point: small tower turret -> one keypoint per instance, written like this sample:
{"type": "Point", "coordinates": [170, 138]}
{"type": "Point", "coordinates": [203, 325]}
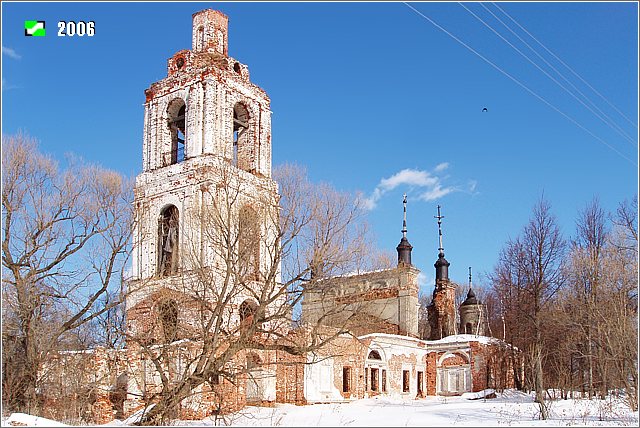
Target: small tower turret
{"type": "Point", "coordinates": [404, 247]}
{"type": "Point", "coordinates": [210, 32]}
{"type": "Point", "coordinates": [473, 318]}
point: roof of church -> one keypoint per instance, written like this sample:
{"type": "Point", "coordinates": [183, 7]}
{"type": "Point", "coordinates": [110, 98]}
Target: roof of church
{"type": "Point", "coordinates": [471, 299]}
{"type": "Point", "coordinates": [441, 261]}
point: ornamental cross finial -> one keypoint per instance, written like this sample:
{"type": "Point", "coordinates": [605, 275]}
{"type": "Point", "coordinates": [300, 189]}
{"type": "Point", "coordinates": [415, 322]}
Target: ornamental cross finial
{"type": "Point", "coordinates": [440, 217]}
{"type": "Point", "coordinates": [404, 221]}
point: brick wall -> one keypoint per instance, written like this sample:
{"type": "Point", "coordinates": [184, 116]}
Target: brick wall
{"type": "Point", "coordinates": [442, 311]}
{"type": "Point", "coordinates": [494, 365]}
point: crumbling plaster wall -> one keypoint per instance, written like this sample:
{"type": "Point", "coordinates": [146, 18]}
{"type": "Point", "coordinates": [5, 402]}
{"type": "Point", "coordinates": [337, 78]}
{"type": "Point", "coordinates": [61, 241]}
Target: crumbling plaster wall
{"type": "Point", "coordinates": [389, 296]}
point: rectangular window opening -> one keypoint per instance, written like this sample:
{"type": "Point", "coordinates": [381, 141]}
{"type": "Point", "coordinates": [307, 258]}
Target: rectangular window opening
{"type": "Point", "coordinates": [346, 379]}
{"type": "Point", "coordinates": [374, 379]}
{"type": "Point", "coordinates": [384, 380]}
{"type": "Point", "coordinates": [405, 380]}
{"type": "Point", "coordinates": [366, 379]}
{"type": "Point", "coordinates": [420, 382]}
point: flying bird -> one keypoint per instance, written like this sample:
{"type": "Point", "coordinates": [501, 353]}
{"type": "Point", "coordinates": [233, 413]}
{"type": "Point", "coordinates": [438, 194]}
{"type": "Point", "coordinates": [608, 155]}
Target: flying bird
{"type": "Point", "coordinates": [484, 109]}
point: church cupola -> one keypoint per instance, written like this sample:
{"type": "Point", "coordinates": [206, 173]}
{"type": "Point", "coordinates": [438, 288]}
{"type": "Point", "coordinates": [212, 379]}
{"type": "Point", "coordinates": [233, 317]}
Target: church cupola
{"type": "Point", "coordinates": [441, 265]}
{"type": "Point", "coordinates": [404, 247]}
{"type": "Point", "coordinates": [473, 319]}
{"type": "Point", "coordinates": [471, 298]}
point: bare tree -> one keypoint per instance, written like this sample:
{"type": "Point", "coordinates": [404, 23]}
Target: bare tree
{"type": "Point", "coordinates": [583, 332]}
{"type": "Point", "coordinates": [64, 245]}
{"type": "Point", "coordinates": [234, 302]}
{"type": "Point", "coordinates": [587, 280]}
{"type": "Point", "coordinates": [424, 328]}
{"type": "Point", "coordinates": [508, 283]}
{"type": "Point", "coordinates": [529, 274]}
{"type": "Point", "coordinates": [618, 318]}
{"type": "Point", "coordinates": [599, 308]}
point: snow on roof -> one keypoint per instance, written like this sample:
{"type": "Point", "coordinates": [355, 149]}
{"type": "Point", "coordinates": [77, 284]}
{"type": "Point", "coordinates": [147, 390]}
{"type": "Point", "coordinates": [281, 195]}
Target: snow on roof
{"type": "Point", "coordinates": [485, 340]}
{"type": "Point", "coordinates": [174, 343]}
{"type": "Point", "coordinates": [81, 351]}
{"type": "Point", "coordinates": [457, 338]}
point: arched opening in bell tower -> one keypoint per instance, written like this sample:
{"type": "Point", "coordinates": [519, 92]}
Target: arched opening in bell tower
{"type": "Point", "coordinates": [168, 238]}
{"type": "Point", "coordinates": [176, 113]}
{"type": "Point", "coordinates": [248, 243]}
{"type": "Point", "coordinates": [240, 137]}
{"type": "Point", "coordinates": [168, 312]}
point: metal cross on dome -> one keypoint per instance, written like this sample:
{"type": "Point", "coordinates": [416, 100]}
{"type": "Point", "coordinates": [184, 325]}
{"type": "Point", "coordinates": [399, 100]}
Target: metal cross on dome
{"type": "Point", "coordinates": [439, 217]}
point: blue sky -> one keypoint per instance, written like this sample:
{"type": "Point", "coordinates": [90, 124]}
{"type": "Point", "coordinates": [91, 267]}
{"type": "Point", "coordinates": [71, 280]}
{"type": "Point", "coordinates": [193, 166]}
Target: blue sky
{"type": "Point", "coordinates": [370, 97]}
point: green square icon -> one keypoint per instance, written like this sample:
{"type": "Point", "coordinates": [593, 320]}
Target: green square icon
{"type": "Point", "coordinates": [34, 29]}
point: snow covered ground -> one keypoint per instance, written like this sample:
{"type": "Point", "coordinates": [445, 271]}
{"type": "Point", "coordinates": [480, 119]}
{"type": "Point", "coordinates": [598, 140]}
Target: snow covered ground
{"type": "Point", "coordinates": [22, 419]}
{"type": "Point", "coordinates": [511, 408]}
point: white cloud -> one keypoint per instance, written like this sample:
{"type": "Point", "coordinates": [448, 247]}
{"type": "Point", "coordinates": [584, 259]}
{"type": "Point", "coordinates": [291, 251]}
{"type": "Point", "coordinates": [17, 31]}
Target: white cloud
{"type": "Point", "coordinates": [441, 166]}
{"type": "Point", "coordinates": [423, 279]}
{"type": "Point", "coordinates": [436, 192]}
{"type": "Point", "coordinates": [6, 86]}
{"type": "Point", "coordinates": [425, 283]}
{"type": "Point", "coordinates": [429, 184]}
{"type": "Point", "coordinates": [412, 177]}
{"type": "Point", "coordinates": [10, 53]}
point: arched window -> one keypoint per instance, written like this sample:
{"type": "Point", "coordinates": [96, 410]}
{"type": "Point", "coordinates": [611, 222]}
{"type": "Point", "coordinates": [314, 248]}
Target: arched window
{"type": "Point", "coordinates": [248, 243]}
{"type": "Point", "coordinates": [374, 355]}
{"type": "Point", "coordinates": [247, 310]}
{"type": "Point", "coordinates": [240, 137]}
{"type": "Point", "coordinates": [168, 238]}
{"type": "Point", "coordinates": [468, 328]}
{"type": "Point", "coordinates": [253, 361]}
{"type": "Point", "coordinates": [169, 319]}
{"type": "Point", "coordinates": [200, 38]}
{"type": "Point", "coordinates": [176, 113]}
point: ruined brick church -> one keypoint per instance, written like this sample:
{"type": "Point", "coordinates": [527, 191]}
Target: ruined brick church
{"type": "Point", "coordinates": [205, 115]}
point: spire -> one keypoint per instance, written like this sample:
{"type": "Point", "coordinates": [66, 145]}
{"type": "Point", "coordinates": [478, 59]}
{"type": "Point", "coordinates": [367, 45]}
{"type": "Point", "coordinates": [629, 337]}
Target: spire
{"type": "Point", "coordinates": [404, 247]}
{"type": "Point", "coordinates": [439, 217]}
{"type": "Point", "coordinates": [471, 296]}
{"type": "Point", "coordinates": [404, 220]}
{"type": "Point", "coordinates": [441, 265]}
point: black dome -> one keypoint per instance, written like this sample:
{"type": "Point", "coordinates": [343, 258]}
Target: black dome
{"type": "Point", "coordinates": [471, 299]}
{"type": "Point", "coordinates": [404, 251]}
{"type": "Point", "coordinates": [441, 261]}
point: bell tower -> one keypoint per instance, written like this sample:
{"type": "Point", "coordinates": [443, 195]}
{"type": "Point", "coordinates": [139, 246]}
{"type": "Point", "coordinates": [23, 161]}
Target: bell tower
{"type": "Point", "coordinates": [441, 311]}
{"type": "Point", "coordinates": [206, 134]}
{"type": "Point", "coordinates": [207, 106]}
